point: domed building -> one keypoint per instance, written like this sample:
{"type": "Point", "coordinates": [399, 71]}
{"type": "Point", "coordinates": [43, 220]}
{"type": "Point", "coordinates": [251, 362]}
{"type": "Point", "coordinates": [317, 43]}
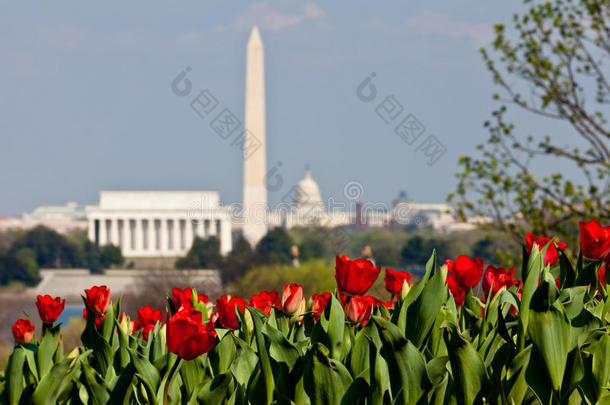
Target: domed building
{"type": "Point", "coordinates": [308, 194]}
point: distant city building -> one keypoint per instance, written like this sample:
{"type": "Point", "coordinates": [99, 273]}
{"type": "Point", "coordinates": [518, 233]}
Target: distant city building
{"type": "Point", "coordinates": [305, 207]}
{"type": "Point", "coordinates": [163, 223]}
{"type": "Point", "coordinates": [158, 223]}
{"type": "Point", "coordinates": [61, 218]}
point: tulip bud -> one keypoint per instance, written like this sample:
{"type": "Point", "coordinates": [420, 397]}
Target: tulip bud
{"type": "Point", "coordinates": [292, 298]}
{"type": "Point", "coordinates": [444, 271]}
{"type": "Point", "coordinates": [249, 321]}
{"type": "Point", "coordinates": [125, 324]}
{"type": "Point", "coordinates": [405, 289]}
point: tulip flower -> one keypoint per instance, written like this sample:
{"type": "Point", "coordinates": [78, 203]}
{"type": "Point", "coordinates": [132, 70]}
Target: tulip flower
{"type": "Point", "coordinates": [147, 319]}
{"type": "Point", "coordinates": [319, 302]}
{"type": "Point", "coordinates": [127, 325]}
{"type": "Point", "coordinates": [184, 297]}
{"type": "Point", "coordinates": [355, 277]}
{"type": "Point", "coordinates": [225, 306]}
{"type": "Point", "coordinates": [98, 298]}
{"type": "Point", "coordinates": [458, 293]}
{"type": "Point", "coordinates": [293, 301]}
{"type": "Point", "coordinates": [551, 255]}
{"type": "Point", "coordinates": [187, 336]}
{"type": "Point", "coordinates": [594, 240]}
{"type": "Point", "coordinates": [466, 272]}
{"type": "Point", "coordinates": [394, 280]}
{"type": "Point", "coordinates": [359, 308]}
{"type": "Point", "coordinates": [498, 277]}
{"type": "Point", "coordinates": [49, 308]}
{"type": "Point", "coordinates": [99, 319]}
{"type": "Point", "coordinates": [23, 331]}
{"type": "Point", "coordinates": [265, 301]}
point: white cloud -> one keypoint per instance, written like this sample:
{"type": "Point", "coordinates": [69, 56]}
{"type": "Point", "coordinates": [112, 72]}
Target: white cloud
{"type": "Point", "coordinates": [272, 19]}
{"type": "Point", "coordinates": [431, 23]}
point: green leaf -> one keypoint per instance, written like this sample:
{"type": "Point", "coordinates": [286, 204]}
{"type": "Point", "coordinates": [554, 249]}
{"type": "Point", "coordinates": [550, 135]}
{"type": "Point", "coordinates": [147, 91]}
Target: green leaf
{"type": "Point", "coordinates": [244, 364]}
{"type": "Point", "coordinates": [223, 354]}
{"type": "Point", "coordinates": [263, 356]}
{"type": "Point", "coordinates": [467, 368]}
{"type": "Point", "coordinates": [145, 369]}
{"type": "Point", "coordinates": [326, 379]}
{"type": "Point", "coordinates": [549, 330]}
{"type": "Point", "coordinates": [422, 314]}
{"type": "Point", "coordinates": [217, 391]}
{"type": "Point", "coordinates": [280, 348]}
{"type": "Point", "coordinates": [150, 392]}
{"type": "Point", "coordinates": [407, 365]}
{"type": "Point", "coordinates": [46, 351]}
{"type": "Point", "coordinates": [358, 389]}
{"type": "Point", "coordinates": [515, 376]}
{"type": "Point", "coordinates": [336, 327]}
{"type": "Point", "coordinates": [15, 381]}
{"type": "Point", "coordinates": [57, 381]}
{"type": "Point", "coordinates": [95, 385]}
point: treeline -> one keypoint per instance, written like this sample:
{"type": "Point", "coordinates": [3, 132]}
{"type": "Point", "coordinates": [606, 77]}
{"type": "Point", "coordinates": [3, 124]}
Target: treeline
{"type": "Point", "coordinates": [23, 253]}
{"type": "Point", "coordinates": [396, 249]}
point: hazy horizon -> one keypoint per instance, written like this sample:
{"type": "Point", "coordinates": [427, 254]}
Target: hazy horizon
{"type": "Point", "coordinates": [88, 102]}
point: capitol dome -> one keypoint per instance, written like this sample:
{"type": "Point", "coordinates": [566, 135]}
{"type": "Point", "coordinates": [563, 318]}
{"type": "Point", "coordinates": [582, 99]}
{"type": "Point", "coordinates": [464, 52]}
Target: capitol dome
{"type": "Point", "coordinates": [309, 192]}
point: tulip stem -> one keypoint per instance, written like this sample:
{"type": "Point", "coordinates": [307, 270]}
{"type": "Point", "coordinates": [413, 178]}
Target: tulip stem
{"type": "Point", "coordinates": [169, 379]}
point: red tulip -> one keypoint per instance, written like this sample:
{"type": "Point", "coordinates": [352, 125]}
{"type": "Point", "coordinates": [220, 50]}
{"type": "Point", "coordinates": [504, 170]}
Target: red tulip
{"type": "Point", "coordinates": [98, 298]}
{"type": "Point", "coordinates": [513, 309]}
{"type": "Point", "coordinates": [594, 240]}
{"type": "Point", "coordinates": [466, 272]}
{"type": "Point", "coordinates": [99, 319]}
{"type": "Point", "coordinates": [147, 319]}
{"type": "Point", "coordinates": [551, 255]}
{"type": "Point", "coordinates": [265, 301]}
{"type": "Point", "coordinates": [184, 297]}
{"type": "Point", "coordinates": [49, 308]}
{"type": "Point", "coordinates": [292, 299]}
{"type": "Point", "coordinates": [389, 304]}
{"type": "Point", "coordinates": [319, 302]}
{"type": "Point", "coordinates": [395, 279]}
{"type": "Point", "coordinates": [187, 336]}
{"type": "Point", "coordinates": [225, 306]}
{"type": "Point", "coordinates": [23, 331]}
{"type": "Point", "coordinates": [359, 308]}
{"type": "Point", "coordinates": [458, 293]}
{"type": "Point", "coordinates": [499, 277]}
{"type": "Point", "coordinates": [355, 277]}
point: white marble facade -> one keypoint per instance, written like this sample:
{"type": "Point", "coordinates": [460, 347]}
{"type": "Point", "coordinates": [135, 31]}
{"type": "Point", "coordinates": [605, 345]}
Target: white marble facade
{"type": "Point", "coordinates": [158, 223]}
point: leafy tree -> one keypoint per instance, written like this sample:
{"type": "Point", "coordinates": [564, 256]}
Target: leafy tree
{"type": "Point", "coordinates": [274, 247]}
{"type": "Point", "coordinates": [92, 257]}
{"type": "Point", "coordinates": [550, 66]}
{"type": "Point", "coordinates": [51, 249]}
{"type": "Point", "coordinates": [414, 251]}
{"type": "Point", "coordinates": [238, 262]}
{"type": "Point", "coordinates": [20, 266]}
{"type": "Point", "coordinates": [203, 254]}
{"type": "Point", "coordinates": [417, 250]}
{"type": "Point", "coordinates": [111, 255]}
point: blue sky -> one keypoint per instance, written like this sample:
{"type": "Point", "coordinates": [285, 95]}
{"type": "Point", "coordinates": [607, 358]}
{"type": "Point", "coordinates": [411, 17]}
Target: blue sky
{"type": "Point", "coordinates": [86, 101]}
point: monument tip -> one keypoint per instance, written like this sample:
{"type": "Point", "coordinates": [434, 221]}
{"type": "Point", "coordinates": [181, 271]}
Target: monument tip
{"type": "Point", "coordinates": [255, 34]}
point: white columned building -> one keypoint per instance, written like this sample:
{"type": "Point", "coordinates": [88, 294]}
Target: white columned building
{"type": "Point", "coordinates": [158, 223]}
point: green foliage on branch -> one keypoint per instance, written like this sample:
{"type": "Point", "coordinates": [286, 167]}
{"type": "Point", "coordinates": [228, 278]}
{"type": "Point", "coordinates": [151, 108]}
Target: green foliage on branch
{"type": "Point", "coordinates": [549, 64]}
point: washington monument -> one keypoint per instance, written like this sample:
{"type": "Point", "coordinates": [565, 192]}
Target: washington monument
{"type": "Point", "coordinates": [255, 164]}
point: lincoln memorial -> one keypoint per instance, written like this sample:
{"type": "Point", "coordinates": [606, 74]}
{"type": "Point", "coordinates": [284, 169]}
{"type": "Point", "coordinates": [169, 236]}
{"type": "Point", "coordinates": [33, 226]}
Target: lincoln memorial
{"type": "Point", "coordinates": [158, 223]}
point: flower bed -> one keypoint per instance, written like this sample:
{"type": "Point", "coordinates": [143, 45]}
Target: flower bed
{"type": "Point", "coordinates": [542, 339]}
